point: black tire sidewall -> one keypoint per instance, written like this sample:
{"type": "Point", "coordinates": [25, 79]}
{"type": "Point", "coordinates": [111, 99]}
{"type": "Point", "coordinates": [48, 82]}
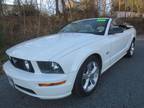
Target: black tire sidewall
{"type": "Point", "coordinates": [129, 53]}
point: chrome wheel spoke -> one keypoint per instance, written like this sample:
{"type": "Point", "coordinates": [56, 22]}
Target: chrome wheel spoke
{"type": "Point", "coordinates": [85, 76]}
{"type": "Point", "coordinates": [86, 84]}
{"type": "Point", "coordinates": [90, 77]}
{"type": "Point", "coordinates": [92, 81]}
{"type": "Point", "coordinates": [132, 49]}
{"type": "Point", "coordinates": [94, 70]}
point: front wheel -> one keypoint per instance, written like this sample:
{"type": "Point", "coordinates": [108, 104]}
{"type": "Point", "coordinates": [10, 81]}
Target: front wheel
{"type": "Point", "coordinates": [131, 50]}
{"type": "Point", "coordinates": [87, 78]}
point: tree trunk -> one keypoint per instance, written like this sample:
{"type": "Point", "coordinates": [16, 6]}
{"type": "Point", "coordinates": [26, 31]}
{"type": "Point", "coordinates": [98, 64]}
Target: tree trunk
{"type": "Point", "coordinates": [119, 5]}
{"type": "Point", "coordinates": [104, 7]}
{"type": "Point", "coordinates": [24, 21]}
{"type": "Point", "coordinates": [94, 4]}
{"type": "Point", "coordinates": [57, 7]}
{"type": "Point", "coordinates": [1, 7]}
{"type": "Point", "coordinates": [64, 11]}
{"type": "Point", "coordinates": [39, 19]}
{"type": "Point", "coordinates": [125, 9]}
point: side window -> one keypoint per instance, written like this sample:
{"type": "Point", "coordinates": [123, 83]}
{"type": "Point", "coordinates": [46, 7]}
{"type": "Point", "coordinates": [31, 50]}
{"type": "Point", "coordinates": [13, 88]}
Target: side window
{"type": "Point", "coordinates": [111, 29]}
{"type": "Point", "coordinates": [115, 29]}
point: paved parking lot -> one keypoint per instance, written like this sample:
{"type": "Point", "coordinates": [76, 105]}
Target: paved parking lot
{"type": "Point", "coordinates": [122, 86]}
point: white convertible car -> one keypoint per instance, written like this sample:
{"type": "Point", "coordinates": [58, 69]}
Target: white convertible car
{"type": "Point", "coordinates": [70, 61]}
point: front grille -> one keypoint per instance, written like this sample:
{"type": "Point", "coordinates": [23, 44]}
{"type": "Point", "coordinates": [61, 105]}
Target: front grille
{"type": "Point", "coordinates": [20, 64]}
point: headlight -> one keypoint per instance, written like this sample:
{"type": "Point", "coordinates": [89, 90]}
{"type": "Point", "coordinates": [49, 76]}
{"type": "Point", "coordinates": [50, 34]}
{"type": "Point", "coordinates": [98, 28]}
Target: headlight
{"type": "Point", "coordinates": [50, 67]}
{"type": "Point", "coordinates": [22, 64]}
{"type": "Point", "coordinates": [27, 65]}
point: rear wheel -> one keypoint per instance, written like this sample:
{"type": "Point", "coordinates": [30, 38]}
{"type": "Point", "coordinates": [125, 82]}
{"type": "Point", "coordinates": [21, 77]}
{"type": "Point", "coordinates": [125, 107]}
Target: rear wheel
{"type": "Point", "coordinates": [88, 76]}
{"type": "Point", "coordinates": [131, 50]}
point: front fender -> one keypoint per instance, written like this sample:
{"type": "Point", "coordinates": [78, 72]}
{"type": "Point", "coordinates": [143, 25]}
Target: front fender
{"type": "Point", "coordinates": [81, 57]}
{"type": "Point", "coordinates": [72, 62]}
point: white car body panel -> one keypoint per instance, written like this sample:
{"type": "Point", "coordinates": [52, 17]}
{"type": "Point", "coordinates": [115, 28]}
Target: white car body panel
{"type": "Point", "coordinates": [69, 50]}
{"type": "Point", "coordinates": [50, 46]}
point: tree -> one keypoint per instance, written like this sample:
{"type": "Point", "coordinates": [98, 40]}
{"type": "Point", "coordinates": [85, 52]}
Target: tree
{"type": "Point", "coordinates": [57, 7]}
{"type": "Point", "coordinates": [128, 5]}
{"type": "Point", "coordinates": [17, 9]}
{"type": "Point", "coordinates": [65, 15]}
{"type": "Point", "coordinates": [1, 8]}
{"type": "Point", "coordinates": [104, 7]}
{"type": "Point", "coordinates": [90, 7]}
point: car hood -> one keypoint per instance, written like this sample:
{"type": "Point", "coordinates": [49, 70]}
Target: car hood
{"type": "Point", "coordinates": [45, 48]}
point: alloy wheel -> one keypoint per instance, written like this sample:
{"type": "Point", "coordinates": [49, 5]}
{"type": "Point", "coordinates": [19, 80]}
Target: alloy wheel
{"type": "Point", "coordinates": [90, 77]}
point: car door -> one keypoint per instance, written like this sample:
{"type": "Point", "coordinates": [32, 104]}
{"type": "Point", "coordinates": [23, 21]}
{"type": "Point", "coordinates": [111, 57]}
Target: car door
{"type": "Point", "coordinates": [118, 43]}
{"type": "Point", "coordinates": [128, 38]}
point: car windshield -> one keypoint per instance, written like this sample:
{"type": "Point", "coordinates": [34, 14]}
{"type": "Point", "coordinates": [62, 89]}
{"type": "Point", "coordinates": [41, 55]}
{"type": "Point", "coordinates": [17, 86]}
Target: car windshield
{"type": "Point", "coordinates": [94, 26]}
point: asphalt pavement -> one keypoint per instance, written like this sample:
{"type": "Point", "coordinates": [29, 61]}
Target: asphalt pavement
{"type": "Point", "coordinates": [122, 86]}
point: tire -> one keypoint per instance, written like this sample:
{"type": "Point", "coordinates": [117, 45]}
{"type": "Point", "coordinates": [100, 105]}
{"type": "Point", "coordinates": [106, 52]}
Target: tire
{"type": "Point", "coordinates": [88, 74]}
{"type": "Point", "coordinates": [130, 52]}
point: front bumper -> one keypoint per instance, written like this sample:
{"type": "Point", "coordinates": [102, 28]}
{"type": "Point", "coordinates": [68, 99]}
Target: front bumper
{"type": "Point", "coordinates": [29, 83]}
